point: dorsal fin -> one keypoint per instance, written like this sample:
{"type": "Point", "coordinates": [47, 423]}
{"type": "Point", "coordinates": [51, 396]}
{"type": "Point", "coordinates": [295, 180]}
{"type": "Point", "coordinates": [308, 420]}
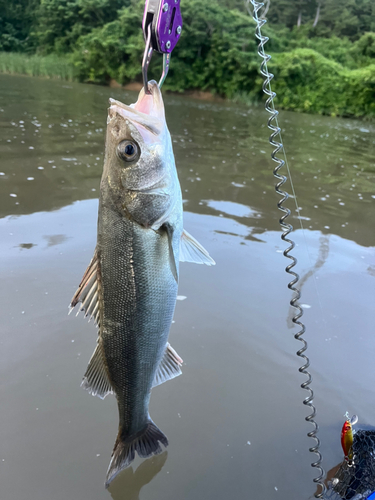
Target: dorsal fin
{"type": "Point", "coordinates": [87, 292]}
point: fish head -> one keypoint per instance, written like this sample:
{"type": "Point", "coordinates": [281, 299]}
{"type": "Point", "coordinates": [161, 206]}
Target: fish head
{"type": "Point", "coordinates": [139, 168]}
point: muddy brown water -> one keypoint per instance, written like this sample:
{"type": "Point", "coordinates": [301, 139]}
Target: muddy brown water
{"type": "Point", "coordinates": [235, 419]}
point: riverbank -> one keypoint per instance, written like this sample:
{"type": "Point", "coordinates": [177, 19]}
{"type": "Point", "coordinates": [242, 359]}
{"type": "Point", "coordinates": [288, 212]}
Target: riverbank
{"type": "Point", "coordinates": [305, 81]}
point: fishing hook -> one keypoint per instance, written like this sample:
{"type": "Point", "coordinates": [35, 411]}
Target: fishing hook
{"type": "Point", "coordinates": [162, 27]}
{"type": "Point", "coordinates": [146, 60]}
{"type": "Point", "coordinates": [287, 229]}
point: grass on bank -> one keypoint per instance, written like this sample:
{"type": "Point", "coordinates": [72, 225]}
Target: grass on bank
{"type": "Point", "coordinates": [305, 81]}
{"type": "Point", "coordinates": [50, 66]}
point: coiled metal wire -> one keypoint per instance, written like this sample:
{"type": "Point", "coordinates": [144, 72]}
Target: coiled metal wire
{"type": "Point", "coordinates": [287, 229]}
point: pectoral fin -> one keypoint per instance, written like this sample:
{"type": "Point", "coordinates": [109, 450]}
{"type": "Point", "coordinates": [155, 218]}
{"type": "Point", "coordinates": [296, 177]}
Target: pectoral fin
{"type": "Point", "coordinates": [87, 292]}
{"type": "Point", "coordinates": [172, 258]}
{"type": "Point", "coordinates": [192, 251]}
{"type": "Point", "coordinates": [170, 366]}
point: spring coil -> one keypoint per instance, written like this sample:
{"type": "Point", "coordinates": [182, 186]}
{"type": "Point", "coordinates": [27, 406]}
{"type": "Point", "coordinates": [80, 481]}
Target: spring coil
{"type": "Point", "coordinates": [287, 229]}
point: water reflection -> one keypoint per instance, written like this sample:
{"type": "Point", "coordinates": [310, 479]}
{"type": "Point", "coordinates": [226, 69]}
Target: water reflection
{"type": "Point", "coordinates": [231, 208]}
{"type": "Point", "coordinates": [128, 485]}
{"type": "Point", "coordinates": [26, 246]}
{"type": "Point", "coordinates": [320, 261]}
{"type": "Point", "coordinates": [55, 239]}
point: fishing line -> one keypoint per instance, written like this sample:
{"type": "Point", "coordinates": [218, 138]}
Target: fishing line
{"type": "Point", "coordinates": [338, 383]}
{"type": "Point", "coordinates": [288, 228]}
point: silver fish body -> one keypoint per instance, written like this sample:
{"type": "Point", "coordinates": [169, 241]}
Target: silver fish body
{"type": "Point", "coordinates": [130, 286]}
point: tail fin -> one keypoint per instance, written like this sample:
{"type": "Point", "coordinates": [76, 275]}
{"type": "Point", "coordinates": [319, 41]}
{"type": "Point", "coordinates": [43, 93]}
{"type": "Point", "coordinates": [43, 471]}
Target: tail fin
{"type": "Point", "coordinates": [146, 443]}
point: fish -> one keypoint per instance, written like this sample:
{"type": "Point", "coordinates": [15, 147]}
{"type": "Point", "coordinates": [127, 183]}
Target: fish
{"type": "Point", "coordinates": [130, 285]}
{"type": "Point", "coordinates": [347, 439]}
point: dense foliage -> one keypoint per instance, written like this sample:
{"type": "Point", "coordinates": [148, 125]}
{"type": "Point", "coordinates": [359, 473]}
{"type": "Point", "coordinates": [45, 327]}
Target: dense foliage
{"type": "Point", "coordinates": [323, 50]}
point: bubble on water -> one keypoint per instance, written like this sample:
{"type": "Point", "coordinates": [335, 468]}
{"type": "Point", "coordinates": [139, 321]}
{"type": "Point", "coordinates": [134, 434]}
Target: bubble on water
{"type": "Point", "coordinates": [181, 297]}
{"type": "Point", "coordinates": [30, 178]}
{"type": "Point", "coordinates": [13, 195]}
{"type": "Point", "coordinates": [275, 488]}
{"type": "Point", "coordinates": [98, 454]}
{"type": "Point", "coordinates": [31, 147]}
{"type": "Point", "coordinates": [23, 312]}
{"type": "Point", "coordinates": [305, 306]}
{"type": "Point", "coordinates": [93, 189]}
{"type": "Point", "coordinates": [2, 173]}
{"type": "Point", "coordinates": [40, 168]}
{"type": "Point", "coordinates": [248, 443]}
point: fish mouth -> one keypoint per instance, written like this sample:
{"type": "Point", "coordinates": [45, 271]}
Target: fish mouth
{"type": "Point", "coordinates": [148, 111]}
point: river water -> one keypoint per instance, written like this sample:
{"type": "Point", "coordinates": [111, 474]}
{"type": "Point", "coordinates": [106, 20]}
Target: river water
{"type": "Point", "coordinates": [235, 418]}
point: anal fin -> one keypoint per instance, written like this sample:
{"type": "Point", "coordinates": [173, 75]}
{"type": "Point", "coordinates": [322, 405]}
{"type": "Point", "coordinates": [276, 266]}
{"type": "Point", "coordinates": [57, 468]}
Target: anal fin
{"type": "Point", "coordinates": [170, 366]}
{"type": "Point", "coordinates": [96, 379]}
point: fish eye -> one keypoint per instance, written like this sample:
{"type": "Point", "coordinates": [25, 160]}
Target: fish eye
{"type": "Point", "coordinates": [127, 151]}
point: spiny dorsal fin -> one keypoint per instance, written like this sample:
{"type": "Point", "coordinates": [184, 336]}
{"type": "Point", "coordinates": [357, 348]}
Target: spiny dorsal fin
{"type": "Point", "coordinates": [192, 251]}
{"type": "Point", "coordinates": [170, 366]}
{"type": "Point", "coordinates": [96, 379]}
{"type": "Point", "coordinates": [87, 292]}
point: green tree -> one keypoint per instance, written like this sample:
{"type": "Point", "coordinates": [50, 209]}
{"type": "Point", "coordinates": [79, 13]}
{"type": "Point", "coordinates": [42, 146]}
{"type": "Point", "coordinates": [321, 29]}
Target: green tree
{"type": "Point", "coordinates": [16, 20]}
{"type": "Point", "coordinates": [61, 22]}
